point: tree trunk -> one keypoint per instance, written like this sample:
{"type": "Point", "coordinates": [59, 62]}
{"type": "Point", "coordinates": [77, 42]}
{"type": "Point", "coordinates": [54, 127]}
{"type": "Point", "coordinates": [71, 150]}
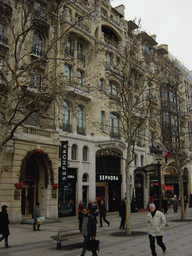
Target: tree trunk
{"type": "Point", "coordinates": [181, 195]}
{"type": "Point", "coordinates": [128, 194]}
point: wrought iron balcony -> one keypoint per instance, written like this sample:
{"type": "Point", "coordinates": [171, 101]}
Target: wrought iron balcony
{"type": "Point", "coordinates": [80, 130]}
{"type": "Point", "coordinates": [66, 127]}
{"type": "Point", "coordinates": [69, 51]}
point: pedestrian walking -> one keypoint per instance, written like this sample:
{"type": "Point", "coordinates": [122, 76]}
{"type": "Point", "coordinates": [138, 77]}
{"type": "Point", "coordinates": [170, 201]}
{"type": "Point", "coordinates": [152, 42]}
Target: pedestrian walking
{"type": "Point", "coordinates": [4, 225]}
{"type": "Point", "coordinates": [185, 203]}
{"type": "Point", "coordinates": [175, 204]}
{"type": "Point", "coordinates": [80, 213]}
{"type": "Point", "coordinates": [165, 205]}
{"type": "Point", "coordinates": [36, 214]}
{"type": "Point", "coordinates": [94, 211]}
{"type": "Point", "coordinates": [156, 222]}
{"type": "Point", "coordinates": [122, 213]}
{"type": "Point", "coordinates": [88, 229]}
{"type": "Point", "coordinates": [103, 212]}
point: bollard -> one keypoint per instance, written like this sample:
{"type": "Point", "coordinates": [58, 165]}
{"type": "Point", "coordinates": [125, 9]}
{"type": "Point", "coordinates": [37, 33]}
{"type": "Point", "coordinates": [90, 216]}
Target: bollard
{"type": "Point", "coordinates": [58, 245]}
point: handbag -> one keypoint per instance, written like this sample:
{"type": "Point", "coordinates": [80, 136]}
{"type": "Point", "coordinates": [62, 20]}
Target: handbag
{"type": "Point", "coordinates": [39, 221]}
{"type": "Point", "coordinates": [93, 245]}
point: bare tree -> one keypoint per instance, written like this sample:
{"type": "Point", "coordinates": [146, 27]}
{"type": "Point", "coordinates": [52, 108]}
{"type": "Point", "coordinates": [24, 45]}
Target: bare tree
{"type": "Point", "coordinates": [125, 94]}
{"type": "Point", "coordinates": [170, 121]}
{"type": "Point", "coordinates": [30, 83]}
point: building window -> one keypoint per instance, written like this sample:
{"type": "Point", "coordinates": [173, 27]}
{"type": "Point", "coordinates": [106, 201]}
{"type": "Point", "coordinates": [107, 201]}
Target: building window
{"type": "Point", "coordinates": [101, 84]}
{"type": "Point", "coordinates": [3, 39]}
{"type": "Point", "coordinates": [36, 79]}
{"type": "Point", "coordinates": [80, 78]}
{"type": "Point", "coordinates": [80, 51]}
{"type": "Point", "coordinates": [85, 177]}
{"type": "Point", "coordinates": [39, 9]}
{"type": "Point", "coordinates": [114, 126]}
{"type": "Point", "coordinates": [69, 47]}
{"type": "Point", "coordinates": [67, 71]}
{"type": "Point", "coordinates": [85, 153]}
{"type": "Point", "coordinates": [74, 152]}
{"type": "Point", "coordinates": [66, 126]}
{"type": "Point", "coordinates": [108, 61]}
{"type": "Point", "coordinates": [113, 90]}
{"type": "Point", "coordinates": [37, 45]}
{"type": "Point", "coordinates": [136, 159]}
{"type": "Point", "coordinates": [102, 120]}
{"type": "Point", "coordinates": [80, 121]}
{"type": "Point", "coordinates": [142, 160]}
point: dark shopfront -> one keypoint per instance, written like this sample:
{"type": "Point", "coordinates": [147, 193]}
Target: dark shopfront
{"type": "Point", "coordinates": [109, 188]}
{"type": "Point", "coordinates": [108, 177]}
{"type": "Point", "coordinates": [66, 194]}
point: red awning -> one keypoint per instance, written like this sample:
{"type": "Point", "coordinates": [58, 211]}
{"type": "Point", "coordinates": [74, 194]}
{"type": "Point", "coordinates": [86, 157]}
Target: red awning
{"type": "Point", "coordinates": [164, 186]}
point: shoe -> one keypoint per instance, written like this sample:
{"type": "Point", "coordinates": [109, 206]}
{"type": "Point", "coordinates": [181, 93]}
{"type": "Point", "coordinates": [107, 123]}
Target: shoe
{"type": "Point", "coordinates": [6, 246]}
{"type": "Point", "coordinates": [108, 224]}
{"type": "Point", "coordinates": [164, 253]}
{"type": "Point", "coordinates": [38, 229]}
{"type": "Point", "coordinates": [100, 226]}
{"type": "Point", "coordinates": [34, 229]}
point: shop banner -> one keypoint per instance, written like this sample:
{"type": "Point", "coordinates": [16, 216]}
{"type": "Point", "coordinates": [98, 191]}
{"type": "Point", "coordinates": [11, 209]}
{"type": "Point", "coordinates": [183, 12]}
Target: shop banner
{"type": "Point", "coordinates": [64, 162]}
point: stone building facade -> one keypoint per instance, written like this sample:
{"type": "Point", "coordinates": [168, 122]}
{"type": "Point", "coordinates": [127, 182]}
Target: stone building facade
{"type": "Point", "coordinates": [76, 49]}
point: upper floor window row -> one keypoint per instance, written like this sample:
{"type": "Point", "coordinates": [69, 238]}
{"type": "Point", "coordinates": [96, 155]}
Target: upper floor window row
{"type": "Point", "coordinates": [79, 46]}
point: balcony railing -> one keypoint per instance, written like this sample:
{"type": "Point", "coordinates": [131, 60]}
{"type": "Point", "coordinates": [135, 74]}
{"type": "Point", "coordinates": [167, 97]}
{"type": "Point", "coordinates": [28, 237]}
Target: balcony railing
{"type": "Point", "coordinates": [115, 134]}
{"type": "Point", "coordinates": [35, 50]}
{"type": "Point", "coordinates": [80, 130]}
{"type": "Point", "coordinates": [81, 57]}
{"type": "Point", "coordinates": [66, 127]}
{"type": "Point", "coordinates": [69, 51]}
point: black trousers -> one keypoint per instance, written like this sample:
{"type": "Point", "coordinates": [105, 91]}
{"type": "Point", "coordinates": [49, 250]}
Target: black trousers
{"type": "Point", "coordinates": [159, 242]}
{"type": "Point", "coordinates": [102, 216]}
{"type": "Point", "coordinates": [86, 240]}
{"type": "Point", "coordinates": [6, 239]}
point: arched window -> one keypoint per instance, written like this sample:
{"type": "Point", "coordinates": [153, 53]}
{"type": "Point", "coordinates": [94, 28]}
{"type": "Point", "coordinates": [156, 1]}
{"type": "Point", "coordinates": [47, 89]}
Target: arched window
{"type": "Point", "coordinates": [37, 45]}
{"type": "Point", "coordinates": [74, 152]}
{"type": "Point", "coordinates": [85, 153]}
{"type": "Point", "coordinates": [66, 126]}
{"type": "Point", "coordinates": [80, 120]}
{"type": "Point", "coordinates": [85, 177]}
{"type": "Point", "coordinates": [3, 39]}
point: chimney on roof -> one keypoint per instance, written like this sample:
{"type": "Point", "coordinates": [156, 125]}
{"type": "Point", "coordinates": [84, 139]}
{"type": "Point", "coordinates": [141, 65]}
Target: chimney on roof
{"type": "Point", "coordinates": [154, 37]}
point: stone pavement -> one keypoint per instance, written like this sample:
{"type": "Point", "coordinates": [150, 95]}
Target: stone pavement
{"type": "Point", "coordinates": [177, 238]}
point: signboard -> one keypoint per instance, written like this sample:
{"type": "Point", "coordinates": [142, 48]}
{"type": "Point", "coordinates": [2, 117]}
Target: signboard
{"type": "Point", "coordinates": [109, 177]}
{"type": "Point", "coordinates": [64, 162]}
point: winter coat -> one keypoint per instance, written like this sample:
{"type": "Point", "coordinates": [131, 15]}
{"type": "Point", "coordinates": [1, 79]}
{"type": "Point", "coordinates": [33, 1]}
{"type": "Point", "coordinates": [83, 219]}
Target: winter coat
{"type": "Point", "coordinates": [4, 222]}
{"type": "Point", "coordinates": [156, 223]}
{"type": "Point", "coordinates": [91, 225]}
{"type": "Point", "coordinates": [36, 213]}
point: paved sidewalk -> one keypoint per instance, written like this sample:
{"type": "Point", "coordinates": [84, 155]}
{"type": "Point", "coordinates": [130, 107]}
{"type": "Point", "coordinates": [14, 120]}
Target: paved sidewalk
{"type": "Point", "coordinates": [177, 238]}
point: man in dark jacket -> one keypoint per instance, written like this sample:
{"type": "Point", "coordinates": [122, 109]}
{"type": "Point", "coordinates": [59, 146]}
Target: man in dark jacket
{"type": "Point", "coordinates": [4, 225]}
{"type": "Point", "coordinates": [88, 229]}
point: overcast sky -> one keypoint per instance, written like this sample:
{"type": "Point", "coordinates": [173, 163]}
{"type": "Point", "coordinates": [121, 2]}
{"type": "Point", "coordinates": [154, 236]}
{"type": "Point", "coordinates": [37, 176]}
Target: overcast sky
{"type": "Point", "coordinates": [170, 20]}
